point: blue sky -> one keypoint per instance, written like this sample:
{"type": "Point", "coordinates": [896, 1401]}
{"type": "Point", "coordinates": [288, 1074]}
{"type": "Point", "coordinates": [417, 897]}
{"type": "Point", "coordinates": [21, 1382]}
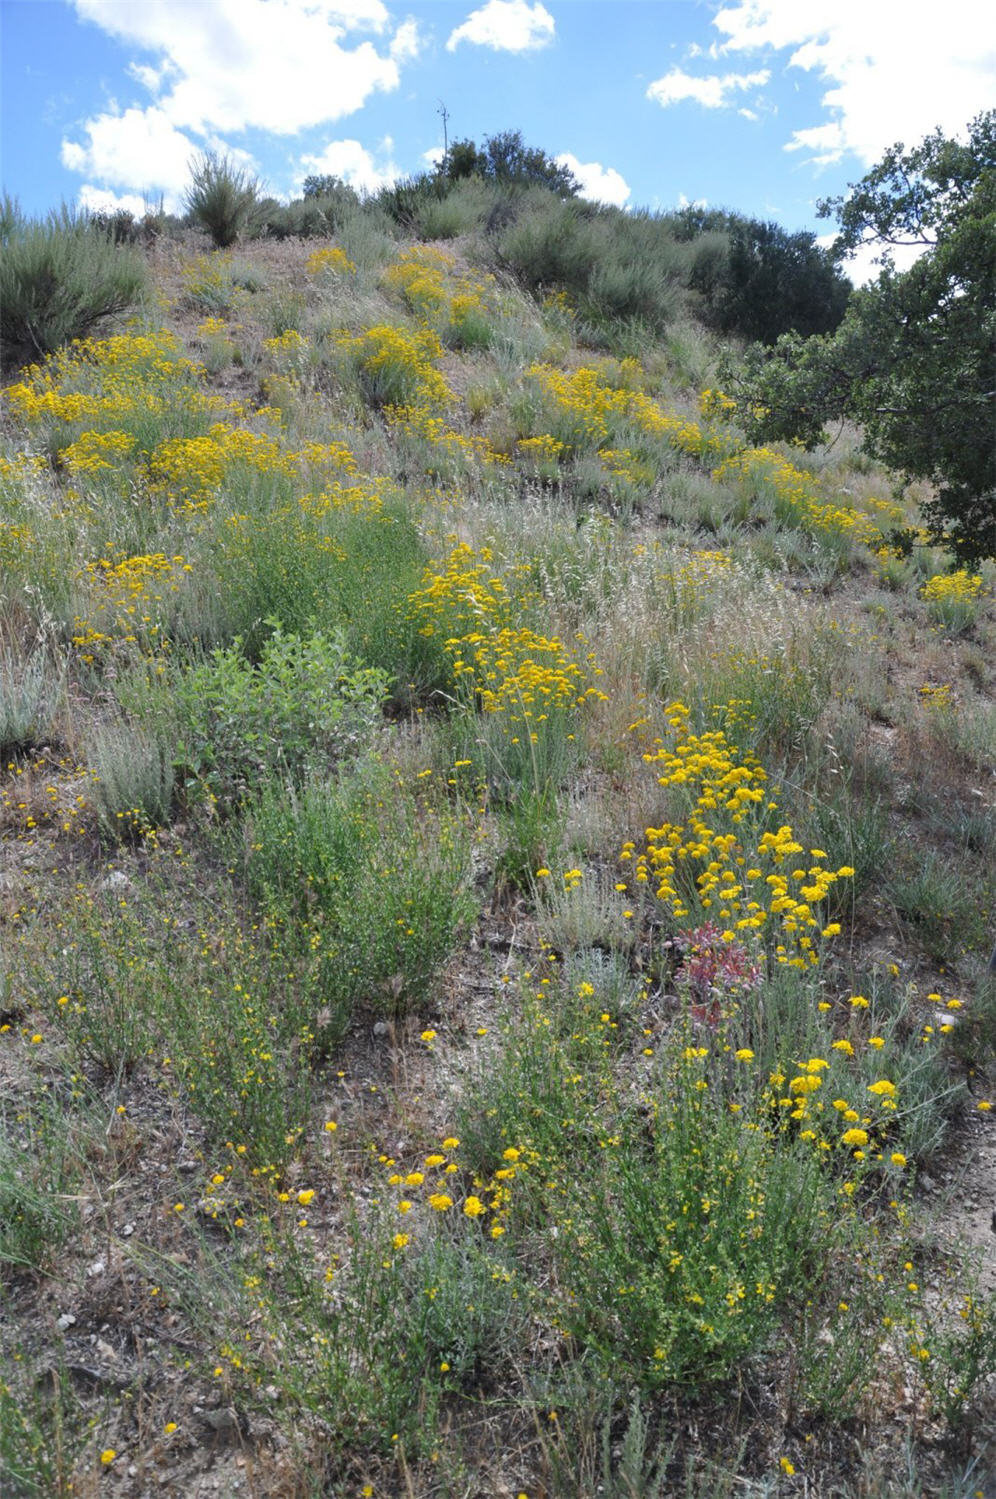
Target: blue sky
{"type": "Point", "coordinates": [758, 105]}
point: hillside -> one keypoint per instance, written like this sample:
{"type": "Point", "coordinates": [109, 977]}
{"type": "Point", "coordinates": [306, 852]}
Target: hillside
{"type": "Point", "coordinates": [498, 882]}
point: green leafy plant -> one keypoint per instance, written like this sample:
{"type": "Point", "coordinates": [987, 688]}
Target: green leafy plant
{"type": "Point", "coordinates": [305, 706]}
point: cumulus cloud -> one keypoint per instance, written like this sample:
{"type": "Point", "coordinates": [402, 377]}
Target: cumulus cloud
{"type": "Point", "coordinates": [277, 65]}
{"type": "Point", "coordinates": [712, 92]}
{"type": "Point", "coordinates": [100, 200]}
{"type": "Point", "coordinates": [406, 43]}
{"type": "Point", "coordinates": [138, 149]}
{"type": "Point", "coordinates": [890, 74]}
{"type": "Point", "coordinates": [506, 26]}
{"type": "Point", "coordinates": [600, 184]}
{"type": "Point", "coordinates": [353, 163]}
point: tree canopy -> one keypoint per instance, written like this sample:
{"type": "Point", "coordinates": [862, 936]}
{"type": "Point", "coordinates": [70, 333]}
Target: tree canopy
{"type": "Point", "coordinates": [505, 158]}
{"type": "Point", "coordinates": [914, 359]}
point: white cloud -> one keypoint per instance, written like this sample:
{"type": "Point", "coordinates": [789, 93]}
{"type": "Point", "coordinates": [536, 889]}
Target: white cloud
{"type": "Point", "coordinates": [434, 157]}
{"type": "Point", "coordinates": [865, 263]}
{"type": "Point", "coordinates": [139, 149]}
{"type": "Point", "coordinates": [507, 26]}
{"type": "Point", "coordinates": [278, 65]}
{"type": "Point", "coordinates": [354, 164]}
{"type": "Point", "coordinates": [892, 71]}
{"type": "Point", "coordinates": [100, 200]}
{"type": "Point", "coordinates": [149, 78]}
{"type": "Point", "coordinates": [406, 42]}
{"type": "Point", "coordinates": [712, 92]}
{"type": "Point", "coordinates": [600, 184]}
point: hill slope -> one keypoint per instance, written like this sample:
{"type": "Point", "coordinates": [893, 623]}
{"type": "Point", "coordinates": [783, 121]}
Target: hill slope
{"type": "Point", "coordinates": [497, 891]}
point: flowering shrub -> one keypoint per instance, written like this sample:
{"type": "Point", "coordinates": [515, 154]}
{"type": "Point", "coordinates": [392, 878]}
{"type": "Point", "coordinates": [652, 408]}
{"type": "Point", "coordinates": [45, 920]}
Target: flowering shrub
{"type": "Point", "coordinates": [796, 497]}
{"type": "Point", "coordinates": [133, 386]}
{"type": "Point", "coordinates": [724, 861]}
{"type": "Point", "coordinates": [529, 685]}
{"type": "Point", "coordinates": [459, 307]}
{"type": "Point", "coordinates": [396, 367]}
{"type": "Point", "coordinates": [330, 263]}
{"type": "Point", "coordinates": [953, 599]}
{"type": "Point", "coordinates": [127, 600]}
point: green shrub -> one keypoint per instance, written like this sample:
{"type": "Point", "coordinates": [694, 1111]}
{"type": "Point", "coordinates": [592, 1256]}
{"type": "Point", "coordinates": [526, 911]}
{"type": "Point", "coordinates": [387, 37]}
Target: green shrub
{"type": "Point", "coordinates": [365, 877]}
{"type": "Point", "coordinates": [319, 214]}
{"type": "Point", "coordinates": [223, 198]}
{"type": "Point", "coordinates": [550, 244]}
{"type": "Point", "coordinates": [134, 778]}
{"type": "Point", "coordinates": [407, 199]}
{"type": "Point", "coordinates": [304, 706]}
{"type": "Point", "coordinates": [60, 277]}
{"type": "Point", "coordinates": [329, 572]}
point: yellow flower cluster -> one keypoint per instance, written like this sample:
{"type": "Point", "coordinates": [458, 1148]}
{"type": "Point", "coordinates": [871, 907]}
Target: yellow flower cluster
{"type": "Point", "coordinates": [330, 262]}
{"type": "Point", "coordinates": [797, 498]}
{"type": "Point", "coordinates": [445, 444]}
{"type": "Point", "coordinates": [125, 596]}
{"type": "Point", "coordinates": [468, 594]}
{"type": "Point", "coordinates": [541, 449]}
{"type": "Point", "coordinates": [419, 275]}
{"type": "Point", "coordinates": [192, 470]}
{"type": "Point", "coordinates": [95, 451]}
{"type": "Point", "coordinates": [398, 364]}
{"type": "Point", "coordinates": [719, 860]}
{"type": "Point", "coordinates": [509, 668]}
{"type": "Point", "coordinates": [961, 585]}
{"type": "Point", "coordinates": [364, 497]}
{"type": "Point", "coordinates": [713, 403]}
{"type": "Point", "coordinates": [112, 384]}
{"type": "Point", "coordinates": [426, 279]}
{"type": "Point", "coordinates": [518, 671]}
{"type": "Point", "coordinates": [595, 407]}
{"type": "Point", "coordinates": [437, 1180]}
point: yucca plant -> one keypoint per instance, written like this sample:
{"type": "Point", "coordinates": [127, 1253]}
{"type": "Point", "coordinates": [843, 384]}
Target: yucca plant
{"type": "Point", "coordinates": [222, 198]}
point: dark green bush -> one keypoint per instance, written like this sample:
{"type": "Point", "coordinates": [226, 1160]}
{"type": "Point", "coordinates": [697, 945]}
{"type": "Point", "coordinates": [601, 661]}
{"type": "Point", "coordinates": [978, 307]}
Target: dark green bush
{"type": "Point", "coordinates": [326, 205]}
{"type": "Point", "coordinates": [404, 201]}
{"type": "Point", "coordinates": [505, 158]}
{"type": "Point", "coordinates": [59, 278]}
{"type": "Point", "coordinates": [223, 198]}
{"type": "Point", "coordinates": [775, 282]}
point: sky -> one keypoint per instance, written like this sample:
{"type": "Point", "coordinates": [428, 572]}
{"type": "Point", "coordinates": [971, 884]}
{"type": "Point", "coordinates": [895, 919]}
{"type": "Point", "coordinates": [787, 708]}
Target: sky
{"type": "Point", "coordinates": [762, 106]}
